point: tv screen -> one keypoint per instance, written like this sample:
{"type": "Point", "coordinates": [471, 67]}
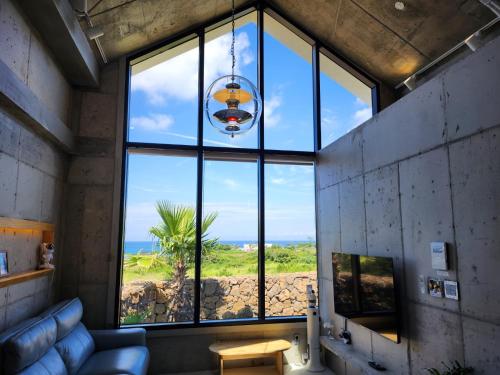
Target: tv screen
{"type": "Point", "coordinates": [364, 292]}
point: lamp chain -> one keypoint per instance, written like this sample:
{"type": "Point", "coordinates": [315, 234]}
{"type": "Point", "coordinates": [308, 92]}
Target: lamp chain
{"type": "Point", "coordinates": [232, 43]}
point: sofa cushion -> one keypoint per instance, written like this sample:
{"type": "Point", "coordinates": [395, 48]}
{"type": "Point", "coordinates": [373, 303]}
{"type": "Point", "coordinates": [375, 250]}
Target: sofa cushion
{"type": "Point", "coordinates": [133, 360]}
{"type": "Point", "coordinates": [29, 345]}
{"type": "Point", "coordinates": [75, 348]}
{"type": "Point", "coordinates": [11, 332]}
{"type": "Point", "coordinates": [50, 364]}
{"type": "Point", "coordinates": [67, 317]}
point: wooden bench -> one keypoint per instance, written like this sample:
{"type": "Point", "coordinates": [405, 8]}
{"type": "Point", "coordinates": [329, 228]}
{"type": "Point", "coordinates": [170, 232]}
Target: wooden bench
{"type": "Point", "coordinates": [251, 349]}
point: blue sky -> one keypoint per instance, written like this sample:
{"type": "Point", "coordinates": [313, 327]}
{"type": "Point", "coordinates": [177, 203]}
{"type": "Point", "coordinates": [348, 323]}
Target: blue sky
{"type": "Point", "coordinates": [163, 109]}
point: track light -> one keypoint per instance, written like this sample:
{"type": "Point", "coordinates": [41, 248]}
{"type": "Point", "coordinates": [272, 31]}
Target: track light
{"type": "Point", "coordinates": [473, 42]}
{"type": "Point", "coordinates": [410, 82]}
{"type": "Point", "coordinates": [95, 32]}
{"type": "Point", "coordinates": [494, 6]}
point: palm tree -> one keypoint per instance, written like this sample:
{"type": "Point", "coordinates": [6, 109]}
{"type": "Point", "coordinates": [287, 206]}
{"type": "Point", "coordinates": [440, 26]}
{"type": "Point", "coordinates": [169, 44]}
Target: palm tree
{"type": "Point", "coordinates": [176, 236]}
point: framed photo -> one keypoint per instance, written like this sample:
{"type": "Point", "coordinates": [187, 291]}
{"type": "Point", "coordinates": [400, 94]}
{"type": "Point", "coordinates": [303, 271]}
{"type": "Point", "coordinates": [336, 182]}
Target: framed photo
{"type": "Point", "coordinates": [451, 289]}
{"type": "Point", "coordinates": [4, 264]}
{"type": "Point", "coordinates": [435, 287]}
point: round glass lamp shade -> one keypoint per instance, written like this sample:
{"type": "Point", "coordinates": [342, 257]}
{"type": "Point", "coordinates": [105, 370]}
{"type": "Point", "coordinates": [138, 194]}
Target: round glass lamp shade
{"type": "Point", "coordinates": [233, 105]}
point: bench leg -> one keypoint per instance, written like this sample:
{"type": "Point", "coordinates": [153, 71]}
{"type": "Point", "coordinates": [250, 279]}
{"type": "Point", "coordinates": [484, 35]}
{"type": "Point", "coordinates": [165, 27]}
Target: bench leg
{"type": "Point", "coordinates": [279, 362]}
{"type": "Point", "coordinates": [221, 365]}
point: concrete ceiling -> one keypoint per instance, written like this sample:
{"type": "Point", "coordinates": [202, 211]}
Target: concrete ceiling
{"type": "Point", "coordinates": [387, 43]}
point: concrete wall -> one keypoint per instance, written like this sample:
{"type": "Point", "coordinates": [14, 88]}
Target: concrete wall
{"type": "Point", "coordinates": [90, 250]}
{"type": "Point", "coordinates": [23, 51]}
{"type": "Point", "coordinates": [32, 170]}
{"type": "Point", "coordinates": [425, 169]}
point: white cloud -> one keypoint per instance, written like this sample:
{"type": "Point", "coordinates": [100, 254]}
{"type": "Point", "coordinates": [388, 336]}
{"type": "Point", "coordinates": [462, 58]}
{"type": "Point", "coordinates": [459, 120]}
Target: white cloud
{"type": "Point", "coordinates": [278, 181]}
{"type": "Point", "coordinates": [271, 118]}
{"type": "Point", "coordinates": [153, 122]}
{"type": "Point", "coordinates": [177, 78]}
{"type": "Point", "coordinates": [230, 183]}
{"type": "Point", "coordinates": [361, 116]}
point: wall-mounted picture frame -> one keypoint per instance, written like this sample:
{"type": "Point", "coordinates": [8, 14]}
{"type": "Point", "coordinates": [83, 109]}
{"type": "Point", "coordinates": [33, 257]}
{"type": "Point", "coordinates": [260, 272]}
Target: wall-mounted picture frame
{"type": "Point", "coordinates": [451, 289]}
{"type": "Point", "coordinates": [4, 264]}
{"type": "Point", "coordinates": [436, 287]}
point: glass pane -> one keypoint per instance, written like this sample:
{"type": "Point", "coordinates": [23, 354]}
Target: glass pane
{"type": "Point", "coordinates": [229, 282]}
{"type": "Point", "coordinates": [164, 97]}
{"type": "Point", "coordinates": [157, 284]}
{"type": "Point", "coordinates": [290, 248]}
{"type": "Point", "coordinates": [218, 63]}
{"type": "Point", "coordinates": [345, 300]}
{"type": "Point", "coordinates": [288, 93]}
{"type": "Point", "coordinates": [346, 102]}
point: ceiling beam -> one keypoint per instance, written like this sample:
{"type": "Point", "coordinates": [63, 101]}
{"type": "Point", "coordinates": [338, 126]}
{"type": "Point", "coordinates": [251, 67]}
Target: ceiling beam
{"type": "Point", "coordinates": [18, 99]}
{"type": "Point", "coordinates": [57, 24]}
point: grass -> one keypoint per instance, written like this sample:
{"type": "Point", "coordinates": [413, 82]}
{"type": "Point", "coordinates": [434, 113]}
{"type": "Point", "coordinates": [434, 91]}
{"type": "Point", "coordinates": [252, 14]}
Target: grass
{"type": "Point", "coordinates": [231, 261]}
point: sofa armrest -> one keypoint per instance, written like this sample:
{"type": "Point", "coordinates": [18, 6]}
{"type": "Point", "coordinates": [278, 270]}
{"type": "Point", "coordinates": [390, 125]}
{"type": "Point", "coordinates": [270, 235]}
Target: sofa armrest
{"type": "Point", "coordinates": [106, 339]}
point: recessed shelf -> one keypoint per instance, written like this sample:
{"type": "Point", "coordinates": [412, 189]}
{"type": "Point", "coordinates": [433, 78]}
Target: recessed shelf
{"type": "Point", "coordinates": [349, 354]}
{"type": "Point", "coordinates": [23, 276]}
{"type": "Point", "coordinates": [12, 223]}
{"type": "Point", "coordinates": [47, 229]}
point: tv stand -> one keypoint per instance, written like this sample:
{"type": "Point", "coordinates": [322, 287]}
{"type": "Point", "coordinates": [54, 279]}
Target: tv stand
{"type": "Point", "coordinates": [349, 354]}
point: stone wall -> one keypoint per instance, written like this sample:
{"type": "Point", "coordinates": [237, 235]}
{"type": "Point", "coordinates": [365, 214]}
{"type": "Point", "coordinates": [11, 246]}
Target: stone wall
{"type": "Point", "coordinates": [221, 298]}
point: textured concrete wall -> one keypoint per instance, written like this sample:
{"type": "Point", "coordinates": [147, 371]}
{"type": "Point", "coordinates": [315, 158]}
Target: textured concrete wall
{"type": "Point", "coordinates": [23, 51]}
{"type": "Point", "coordinates": [425, 169]}
{"type": "Point", "coordinates": [89, 200]}
{"type": "Point", "coordinates": [32, 170]}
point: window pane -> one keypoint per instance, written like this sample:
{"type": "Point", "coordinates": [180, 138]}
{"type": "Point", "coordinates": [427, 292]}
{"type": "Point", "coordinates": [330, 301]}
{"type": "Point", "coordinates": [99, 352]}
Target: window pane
{"type": "Point", "coordinates": [157, 284]}
{"type": "Point", "coordinates": [346, 102]}
{"type": "Point", "coordinates": [218, 63]}
{"type": "Point", "coordinates": [290, 249]}
{"type": "Point", "coordinates": [288, 93]}
{"type": "Point", "coordinates": [229, 285]}
{"type": "Point", "coordinates": [164, 97]}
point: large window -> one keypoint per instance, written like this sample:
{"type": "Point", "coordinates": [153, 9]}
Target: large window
{"type": "Point", "coordinates": [219, 229]}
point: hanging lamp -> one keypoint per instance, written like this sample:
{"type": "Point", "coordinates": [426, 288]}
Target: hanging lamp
{"type": "Point", "coordinates": [232, 103]}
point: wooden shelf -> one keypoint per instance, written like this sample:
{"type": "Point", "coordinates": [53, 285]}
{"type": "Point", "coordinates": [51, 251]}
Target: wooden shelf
{"type": "Point", "coordinates": [23, 276]}
{"type": "Point", "coordinates": [47, 229]}
{"type": "Point", "coordinates": [257, 370]}
{"type": "Point", "coordinates": [12, 223]}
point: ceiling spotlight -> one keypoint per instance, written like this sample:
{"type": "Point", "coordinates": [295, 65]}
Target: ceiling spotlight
{"type": "Point", "coordinates": [399, 5]}
{"type": "Point", "coordinates": [95, 32]}
{"type": "Point", "coordinates": [473, 42]}
{"type": "Point", "coordinates": [410, 82]}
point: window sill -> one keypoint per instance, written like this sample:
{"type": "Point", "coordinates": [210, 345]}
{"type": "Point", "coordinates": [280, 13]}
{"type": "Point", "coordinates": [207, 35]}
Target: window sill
{"type": "Point", "coordinates": [221, 326]}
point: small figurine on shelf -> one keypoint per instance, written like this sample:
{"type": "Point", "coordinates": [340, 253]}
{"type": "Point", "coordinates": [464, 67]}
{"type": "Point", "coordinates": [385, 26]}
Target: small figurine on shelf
{"type": "Point", "coordinates": [46, 255]}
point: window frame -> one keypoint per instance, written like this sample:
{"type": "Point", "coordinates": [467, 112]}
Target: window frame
{"type": "Point", "coordinates": [200, 150]}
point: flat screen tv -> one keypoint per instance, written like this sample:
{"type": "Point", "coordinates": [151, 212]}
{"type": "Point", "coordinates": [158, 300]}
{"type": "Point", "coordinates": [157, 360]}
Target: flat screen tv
{"type": "Point", "coordinates": [365, 292]}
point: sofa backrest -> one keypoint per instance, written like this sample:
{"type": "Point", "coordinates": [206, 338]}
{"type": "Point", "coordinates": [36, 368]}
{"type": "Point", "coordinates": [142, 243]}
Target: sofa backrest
{"type": "Point", "coordinates": [54, 343]}
{"type": "Point", "coordinates": [31, 348]}
{"type": "Point", "coordinates": [74, 343]}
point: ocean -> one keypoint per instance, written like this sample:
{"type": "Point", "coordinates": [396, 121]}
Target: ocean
{"type": "Point", "coordinates": [133, 247]}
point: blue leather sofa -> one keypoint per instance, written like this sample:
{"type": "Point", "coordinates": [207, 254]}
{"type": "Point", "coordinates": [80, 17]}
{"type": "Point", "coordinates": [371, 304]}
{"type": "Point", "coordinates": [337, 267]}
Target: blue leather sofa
{"type": "Point", "coordinates": [57, 343]}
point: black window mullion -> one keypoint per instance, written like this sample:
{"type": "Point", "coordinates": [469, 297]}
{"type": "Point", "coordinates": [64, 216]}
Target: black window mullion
{"type": "Point", "coordinates": [261, 199]}
{"type": "Point", "coordinates": [199, 180]}
{"type": "Point", "coordinates": [316, 97]}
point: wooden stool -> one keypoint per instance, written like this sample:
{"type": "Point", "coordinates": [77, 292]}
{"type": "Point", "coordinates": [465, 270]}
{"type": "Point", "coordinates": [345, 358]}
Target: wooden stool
{"type": "Point", "coordinates": [250, 349]}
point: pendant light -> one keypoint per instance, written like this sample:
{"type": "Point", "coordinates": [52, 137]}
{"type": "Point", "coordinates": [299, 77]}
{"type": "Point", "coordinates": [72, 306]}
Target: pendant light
{"type": "Point", "coordinates": [232, 103]}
